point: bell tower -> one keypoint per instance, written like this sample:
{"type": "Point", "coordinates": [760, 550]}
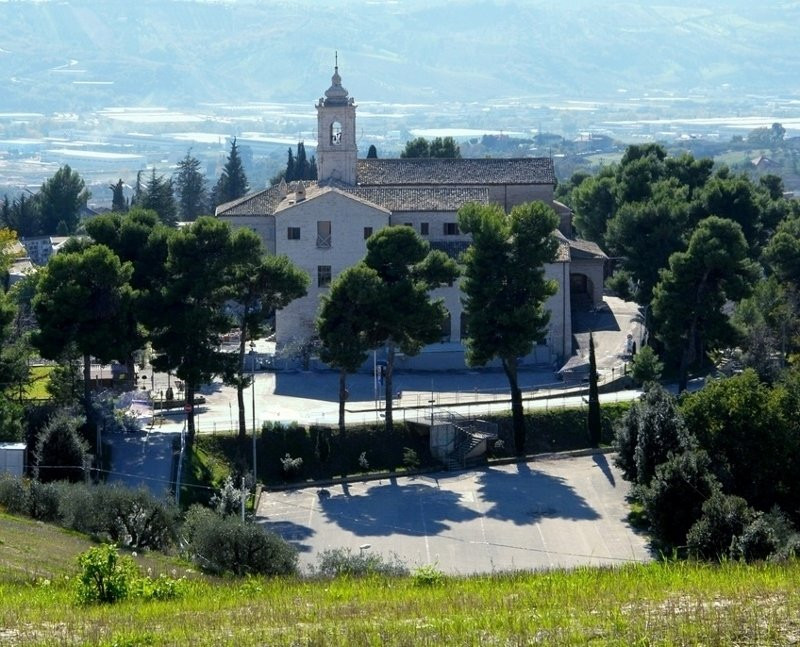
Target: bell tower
{"type": "Point", "coordinates": [336, 133]}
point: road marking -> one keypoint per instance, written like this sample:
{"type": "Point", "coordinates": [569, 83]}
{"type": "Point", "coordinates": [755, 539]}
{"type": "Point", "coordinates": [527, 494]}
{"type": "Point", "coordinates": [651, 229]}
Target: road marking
{"type": "Point", "coordinates": [424, 531]}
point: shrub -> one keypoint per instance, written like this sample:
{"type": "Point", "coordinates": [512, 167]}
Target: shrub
{"type": "Point", "coordinates": [229, 545]}
{"type": "Point", "coordinates": [133, 518]}
{"type": "Point", "coordinates": [749, 435]}
{"type": "Point", "coordinates": [163, 587]}
{"type": "Point", "coordinates": [625, 438]}
{"type": "Point", "coordinates": [11, 424]}
{"type": "Point", "coordinates": [646, 367]}
{"type": "Point", "coordinates": [338, 562]}
{"type": "Point", "coordinates": [60, 451]}
{"type": "Point", "coordinates": [14, 495]}
{"type": "Point", "coordinates": [620, 283]}
{"type": "Point", "coordinates": [768, 536]}
{"type": "Point", "coordinates": [363, 463]}
{"type": "Point", "coordinates": [291, 466]}
{"type": "Point", "coordinates": [77, 507]}
{"type": "Point", "coordinates": [105, 577]}
{"type": "Point", "coordinates": [229, 498]}
{"type": "Point", "coordinates": [674, 499]}
{"type": "Point", "coordinates": [44, 502]}
{"type": "Point", "coordinates": [723, 519]}
{"type": "Point", "coordinates": [648, 432]}
{"type": "Point", "coordinates": [661, 431]}
{"type": "Point", "coordinates": [410, 458]}
{"type": "Point", "coordinates": [428, 575]}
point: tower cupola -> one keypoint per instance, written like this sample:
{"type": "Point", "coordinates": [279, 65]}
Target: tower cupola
{"type": "Point", "coordinates": [336, 133]}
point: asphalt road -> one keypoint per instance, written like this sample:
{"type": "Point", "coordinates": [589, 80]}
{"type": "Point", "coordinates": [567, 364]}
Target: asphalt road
{"type": "Point", "coordinates": [542, 514]}
{"type": "Point", "coordinates": [142, 460]}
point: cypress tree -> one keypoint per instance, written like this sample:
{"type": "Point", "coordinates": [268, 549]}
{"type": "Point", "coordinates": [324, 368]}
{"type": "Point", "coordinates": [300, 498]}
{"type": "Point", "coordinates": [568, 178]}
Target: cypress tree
{"type": "Point", "coordinates": [593, 421]}
{"type": "Point", "coordinates": [118, 201]}
{"type": "Point", "coordinates": [312, 168]}
{"type": "Point", "coordinates": [289, 176]}
{"type": "Point", "coordinates": [301, 163]}
{"type": "Point", "coordinates": [372, 153]}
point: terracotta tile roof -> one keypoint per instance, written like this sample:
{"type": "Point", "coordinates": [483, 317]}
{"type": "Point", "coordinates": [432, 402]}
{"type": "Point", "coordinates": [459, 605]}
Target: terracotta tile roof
{"type": "Point", "coordinates": [580, 248]}
{"type": "Point", "coordinates": [432, 171]}
{"type": "Point", "coordinates": [400, 199]}
{"type": "Point", "coordinates": [261, 203]}
{"type": "Point", "coordinates": [315, 190]}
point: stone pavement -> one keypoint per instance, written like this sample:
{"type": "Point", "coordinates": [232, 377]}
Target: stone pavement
{"type": "Point", "coordinates": [542, 514]}
{"type": "Point", "coordinates": [310, 397]}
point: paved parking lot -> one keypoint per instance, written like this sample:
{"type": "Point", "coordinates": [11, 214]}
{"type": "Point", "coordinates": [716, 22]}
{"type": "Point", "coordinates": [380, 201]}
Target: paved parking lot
{"type": "Point", "coordinates": [541, 514]}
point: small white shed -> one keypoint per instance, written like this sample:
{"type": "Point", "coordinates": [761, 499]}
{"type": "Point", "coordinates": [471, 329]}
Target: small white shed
{"type": "Point", "coordinates": [12, 459]}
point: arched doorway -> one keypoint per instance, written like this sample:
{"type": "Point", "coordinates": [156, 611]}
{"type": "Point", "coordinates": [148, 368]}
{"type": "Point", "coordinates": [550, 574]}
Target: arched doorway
{"type": "Point", "coordinates": [581, 290]}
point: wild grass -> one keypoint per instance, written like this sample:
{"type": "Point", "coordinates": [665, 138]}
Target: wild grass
{"type": "Point", "coordinates": [665, 603]}
{"type": "Point", "coordinates": [36, 389]}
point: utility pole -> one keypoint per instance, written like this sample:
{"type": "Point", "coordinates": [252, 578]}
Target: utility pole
{"type": "Point", "coordinates": [241, 499]}
{"type": "Point", "coordinates": [253, 385]}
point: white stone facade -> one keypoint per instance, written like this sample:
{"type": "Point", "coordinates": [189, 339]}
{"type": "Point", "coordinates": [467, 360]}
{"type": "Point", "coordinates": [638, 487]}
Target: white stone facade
{"type": "Point", "coordinates": [323, 226]}
{"type": "Point", "coordinates": [336, 248]}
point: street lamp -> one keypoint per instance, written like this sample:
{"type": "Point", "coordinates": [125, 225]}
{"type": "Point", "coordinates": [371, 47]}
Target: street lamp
{"type": "Point", "coordinates": [253, 387]}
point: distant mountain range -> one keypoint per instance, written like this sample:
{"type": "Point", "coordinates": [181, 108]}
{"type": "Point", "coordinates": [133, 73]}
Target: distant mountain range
{"type": "Point", "coordinates": [72, 55]}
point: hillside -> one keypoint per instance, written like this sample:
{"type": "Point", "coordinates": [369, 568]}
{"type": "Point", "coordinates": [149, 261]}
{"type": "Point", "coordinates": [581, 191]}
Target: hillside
{"type": "Point", "coordinates": [661, 603]}
{"type": "Point", "coordinates": [76, 54]}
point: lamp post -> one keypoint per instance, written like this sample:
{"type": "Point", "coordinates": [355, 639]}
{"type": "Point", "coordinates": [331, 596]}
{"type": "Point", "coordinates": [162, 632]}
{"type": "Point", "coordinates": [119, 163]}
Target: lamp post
{"type": "Point", "coordinates": [253, 387]}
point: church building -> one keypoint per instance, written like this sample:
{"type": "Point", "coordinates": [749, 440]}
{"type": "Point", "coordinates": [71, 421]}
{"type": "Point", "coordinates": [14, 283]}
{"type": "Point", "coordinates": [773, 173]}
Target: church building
{"type": "Point", "coordinates": [323, 227]}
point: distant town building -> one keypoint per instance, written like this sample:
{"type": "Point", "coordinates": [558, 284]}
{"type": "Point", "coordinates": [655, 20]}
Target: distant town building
{"type": "Point", "coordinates": [323, 226]}
{"type": "Point", "coordinates": [41, 248]}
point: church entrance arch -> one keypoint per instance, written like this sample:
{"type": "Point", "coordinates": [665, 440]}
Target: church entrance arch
{"type": "Point", "coordinates": [581, 291]}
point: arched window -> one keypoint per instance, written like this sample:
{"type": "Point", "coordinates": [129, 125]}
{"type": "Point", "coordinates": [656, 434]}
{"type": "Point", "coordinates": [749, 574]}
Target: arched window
{"type": "Point", "coordinates": [464, 332]}
{"type": "Point", "coordinates": [336, 133]}
{"type": "Point", "coordinates": [446, 328]}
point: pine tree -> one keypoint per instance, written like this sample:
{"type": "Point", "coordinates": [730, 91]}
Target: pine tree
{"type": "Point", "coordinates": [232, 182]}
{"type": "Point", "coordinates": [372, 153]}
{"type": "Point", "coordinates": [158, 196]}
{"type": "Point", "coordinates": [60, 200]}
{"type": "Point", "coordinates": [190, 185]}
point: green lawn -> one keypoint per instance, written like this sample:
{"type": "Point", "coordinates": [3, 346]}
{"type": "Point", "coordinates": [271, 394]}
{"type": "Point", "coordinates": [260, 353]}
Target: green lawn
{"type": "Point", "coordinates": [40, 378]}
{"type": "Point", "coordinates": [654, 604]}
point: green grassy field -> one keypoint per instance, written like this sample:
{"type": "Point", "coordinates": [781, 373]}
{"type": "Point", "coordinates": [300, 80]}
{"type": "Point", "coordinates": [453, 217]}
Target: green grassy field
{"type": "Point", "coordinates": [40, 378]}
{"type": "Point", "coordinates": [655, 604]}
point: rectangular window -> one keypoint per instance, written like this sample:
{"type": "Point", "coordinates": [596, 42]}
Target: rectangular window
{"type": "Point", "coordinates": [451, 229]}
{"type": "Point", "coordinates": [293, 233]}
{"type": "Point", "coordinates": [323, 276]}
{"type": "Point", "coordinates": [408, 224]}
{"type": "Point", "coordinates": [367, 232]}
{"type": "Point", "coordinates": [423, 228]}
{"type": "Point", "coordinates": [323, 233]}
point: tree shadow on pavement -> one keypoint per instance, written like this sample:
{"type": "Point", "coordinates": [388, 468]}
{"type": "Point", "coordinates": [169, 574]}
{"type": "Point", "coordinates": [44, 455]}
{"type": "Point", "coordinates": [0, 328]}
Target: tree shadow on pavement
{"type": "Point", "coordinates": [524, 496]}
{"type": "Point", "coordinates": [321, 385]}
{"type": "Point", "coordinates": [413, 509]}
{"type": "Point", "coordinates": [601, 462]}
{"type": "Point", "coordinates": [293, 533]}
{"type": "Point", "coordinates": [594, 320]}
